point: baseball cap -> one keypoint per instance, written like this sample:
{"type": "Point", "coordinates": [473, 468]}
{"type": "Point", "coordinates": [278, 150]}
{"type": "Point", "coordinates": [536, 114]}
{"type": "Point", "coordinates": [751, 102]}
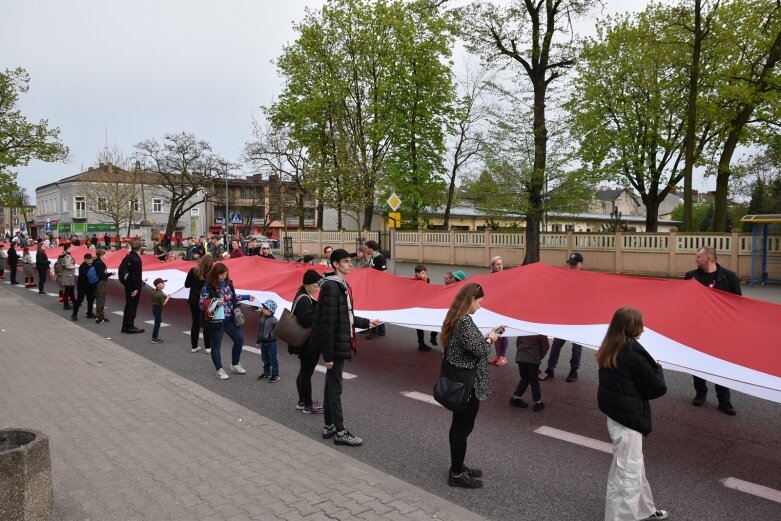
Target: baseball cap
{"type": "Point", "coordinates": [158, 280]}
{"type": "Point", "coordinates": [339, 254]}
{"type": "Point", "coordinates": [575, 258]}
{"type": "Point", "coordinates": [311, 276]}
{"type": "Point", "coordinates": [459, 275]}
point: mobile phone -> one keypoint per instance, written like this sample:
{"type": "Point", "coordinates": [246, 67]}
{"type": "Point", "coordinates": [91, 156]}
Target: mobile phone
{"type": "Point", "coordinates": [499, 330]}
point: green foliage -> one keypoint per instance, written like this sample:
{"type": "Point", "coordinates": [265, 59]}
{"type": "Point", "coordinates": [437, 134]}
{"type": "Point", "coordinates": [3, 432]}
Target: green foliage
{"type": "Point", "coordinates": [367, 90]}
{"type": "Point", "coordinates": [701, 213]}
{"type": "Point", "coordinates": [20, 140]}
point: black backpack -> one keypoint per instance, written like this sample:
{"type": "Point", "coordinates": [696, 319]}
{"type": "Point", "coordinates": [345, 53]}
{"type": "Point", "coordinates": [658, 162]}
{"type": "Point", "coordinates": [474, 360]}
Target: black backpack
{"type": "Point", "coordinates": [124, 270]}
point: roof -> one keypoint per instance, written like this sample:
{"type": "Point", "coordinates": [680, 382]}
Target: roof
{"type": "Point", "coordinates": [99, 174]}
{"type": "Point", "coordinates": [769, 218]}
{"type": "Point", "coordinates": [611, 194]}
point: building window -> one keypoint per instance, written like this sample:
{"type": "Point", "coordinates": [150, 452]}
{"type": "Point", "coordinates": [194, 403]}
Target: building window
{"type": "Point", "coordinates": [570, 228]}
{"type": "Point", "coordinates": [555, 227]}
{"type": "Point", "coordinates": [79, 207]}
{"type": "Point", "coordinates": [64, 204]}
{"type": "Point", "coordinates": [102, 205]}
{"type": "Point", "coordinates": [135, 205]}
{"type": "Point", "coordinates": [157, 205]}
{"type": "Point", "coordinates": [195, 212]}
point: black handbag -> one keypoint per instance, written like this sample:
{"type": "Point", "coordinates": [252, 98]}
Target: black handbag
{"type": "Point", "coordinates": [454, 386]}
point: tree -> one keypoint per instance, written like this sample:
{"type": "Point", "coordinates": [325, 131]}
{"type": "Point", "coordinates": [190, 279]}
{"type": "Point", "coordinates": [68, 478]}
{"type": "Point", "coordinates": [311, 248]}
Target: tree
{"type": "Point", "coordinates": [524, 34]}
{"type": "Point", "coordinates": [365, 94]}
{"type": "Point", "coordinates": [20, 140]}
{"type": "Point", "coordinates": [112, 198]}
{"type": "Point", "coordinates": [184, 168]}
{"type": "Point", "coordinates": [626, 108]}
{"type": "Point", "coordinates": [745, 84]}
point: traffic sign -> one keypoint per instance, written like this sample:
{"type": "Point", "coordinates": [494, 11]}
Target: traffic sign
{"type": "Point", "coordinates": [48, 226]}
{"type": "Point", "coordinates": [394, 220]}
{"type": "Point", "coordinates": [219, 220]}
{"type": "Point", "coordinates": [48, 220]}
{"type": "Point", "coordinates": [235, 218]}
{"type": "Point", "coordinates": [394, 201]}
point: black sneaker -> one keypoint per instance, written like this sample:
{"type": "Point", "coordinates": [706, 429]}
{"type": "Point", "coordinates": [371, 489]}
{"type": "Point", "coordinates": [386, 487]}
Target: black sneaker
{"type": "Point", "coordinates": [699, 399]}
{"type": "Point", "coordinates": [101, 320]}
{"type": "Point", "coordinates": [273, 379]}
{"type": "Point", "coordinates": [517, 402]}
{"type": "Point", "coordinates": [548, 375]}
{"type": "Point", "coordinates": [464, 481]}
{"type": "Point", "coordinates": [433, 340]}
{"type": "Point", "coordinates": [90, 315]}
{"type": "Point", "coordinates": [573, 375]}
{"type": "Point", "coordinates": [538, 406]}
{"type": "Point", "coordinates": [329, 431]}
{"type": "Point", "coordinates": [74, 318]}
{"type": "Point", "coordinates": [727, 408]}
{"type": "Point", "coordinates": [473, 473]}
{"type": "Point", "coordinates": [346, 438]}
{"type": "Point", "coordinates": [659, 514]}
{"type": "Point", "coordinates": [299, 405]}
{"type": "Point", "coordinates": [423, 347]}
{"type": "Point", "coordinates": [264, 376]}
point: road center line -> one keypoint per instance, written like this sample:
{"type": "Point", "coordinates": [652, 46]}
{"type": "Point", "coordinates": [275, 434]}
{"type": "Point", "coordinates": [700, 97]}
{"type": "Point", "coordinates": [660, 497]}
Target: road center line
{"type": "Point", "coordinates": [415, 395]}
{"type": "Point", "coordinates": [577, 439]}
{"type": "Point", "coordinates": [345, 374]}
{"type": "Point", "coordinates": [753, 489]}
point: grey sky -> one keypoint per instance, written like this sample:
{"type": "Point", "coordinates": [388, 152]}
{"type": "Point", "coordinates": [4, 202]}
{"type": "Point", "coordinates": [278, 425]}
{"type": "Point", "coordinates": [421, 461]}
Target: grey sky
{"type": "Point", "coordinates": [136, 70]}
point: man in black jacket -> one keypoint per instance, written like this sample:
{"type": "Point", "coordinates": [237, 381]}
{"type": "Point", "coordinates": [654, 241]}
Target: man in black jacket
{"type": "Point", "coordinates": [85, 287]}
{"type": "Point", "coordinates": [133, 284]}
{"type": "Point", "coordinates": [13, 260]}
{"type": "Point", "coordinates": [709, 273]}
{"type": "Point", "coordinates": [333, 334]}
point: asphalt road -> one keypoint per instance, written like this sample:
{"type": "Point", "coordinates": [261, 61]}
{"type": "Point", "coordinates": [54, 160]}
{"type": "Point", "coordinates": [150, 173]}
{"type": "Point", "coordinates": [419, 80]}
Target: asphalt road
{"type": "Point", "coordinates": [527, 475]}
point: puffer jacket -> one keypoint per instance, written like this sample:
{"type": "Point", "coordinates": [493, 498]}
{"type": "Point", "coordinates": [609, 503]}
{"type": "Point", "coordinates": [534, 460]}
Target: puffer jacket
{"type": "Point", "coordinates": [624, 392]}
{"type": "Point", "coordinates": [333, 335]}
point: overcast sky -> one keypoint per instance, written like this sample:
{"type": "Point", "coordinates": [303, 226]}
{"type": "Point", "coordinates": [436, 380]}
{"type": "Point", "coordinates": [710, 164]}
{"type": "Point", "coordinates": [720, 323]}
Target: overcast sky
{"type": "Point", "coordinates": [116, 73]}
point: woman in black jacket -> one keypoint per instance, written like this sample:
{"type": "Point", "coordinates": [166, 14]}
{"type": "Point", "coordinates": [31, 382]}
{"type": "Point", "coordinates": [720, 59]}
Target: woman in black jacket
{"type": "Point", "coordinates": [628, 379]}
{"type": "Point", "coordinates": [304, 310]}
{"type": "Point", "coordinates": [42, 265]}
{"type": "Point", "coordinates": [195, 280]}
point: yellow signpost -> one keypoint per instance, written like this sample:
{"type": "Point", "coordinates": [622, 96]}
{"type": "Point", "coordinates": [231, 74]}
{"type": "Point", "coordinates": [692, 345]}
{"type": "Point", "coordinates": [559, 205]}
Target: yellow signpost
{"type": "Point", "coordinates": [394, 219]}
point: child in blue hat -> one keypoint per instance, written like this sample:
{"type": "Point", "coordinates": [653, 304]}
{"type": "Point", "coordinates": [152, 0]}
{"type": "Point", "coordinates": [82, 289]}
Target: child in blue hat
{"type": "Point", "coordinates": [267, 341]}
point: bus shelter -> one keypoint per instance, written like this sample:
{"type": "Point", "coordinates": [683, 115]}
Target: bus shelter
{"type": "Point", "coordinates": [761, 243]}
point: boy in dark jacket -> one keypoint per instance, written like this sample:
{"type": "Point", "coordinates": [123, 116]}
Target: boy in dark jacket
{"type": "Point", "coordinates": [85, 288]}
{"type": "Point", "coordinates": [267, 342]}
{"type": "Point", "coordinates": [530, 350]}
{"type": "Point", "coordinates": [333, 333]}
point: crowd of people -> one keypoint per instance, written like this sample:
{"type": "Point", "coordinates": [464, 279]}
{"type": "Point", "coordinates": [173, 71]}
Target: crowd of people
{"type": "Point", "coordinates": [628, 376]}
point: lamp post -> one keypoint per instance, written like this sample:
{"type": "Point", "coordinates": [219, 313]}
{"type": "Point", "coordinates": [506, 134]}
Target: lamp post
{"type": "Point", "coordinates": [225, 233]}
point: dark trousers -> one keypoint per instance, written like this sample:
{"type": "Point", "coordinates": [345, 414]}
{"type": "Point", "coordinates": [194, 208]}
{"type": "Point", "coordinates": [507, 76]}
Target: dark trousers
{"type": "Point", "coordinates": [195, 329]}
{"type": "Point", "coordinates": [332, 396]}
{"type": "Point", "coordinates": [460, 429]}
{"type": "Point", "coordinates": [131, 308]}
{"type": "Point", "coordinates": [100, 298]}
{"type": "Point", "coordinates": [157, 312]}
{"type": "Point", "coordinates": [41, 278]}
{"type": "Point", "coordinates": [12, 269]}
{"type": "Point", "coordinates": [235, 333]}
{"type": "Point", "coordinates": [88, 292]}
{"type": "Point", "coordinates": [68, 294]}
{"type": "Point", "coordinates": [304, 381]}
{"type": "Point", "coordinates": [555, 351]}
{"type": "Point", "coordinates": [529, 376]}
{"type": "Point", "coordinates": [701, 386]}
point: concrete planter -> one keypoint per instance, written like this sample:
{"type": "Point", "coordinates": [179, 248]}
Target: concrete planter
{"type": "Point", "coordinates": [25, 476]}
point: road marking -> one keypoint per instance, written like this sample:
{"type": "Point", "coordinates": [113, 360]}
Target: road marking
{"type": "Point", "coordinates": [200, 335]}
{"type": "Point", "coordinates": [421, 397]}
{"type": "Point", "coordinates": [251, 349]}
{"type": "Point", "coordinates": [345, 374]}
{"type": "Point", "coordinates": [753, 489]}
{"type": "Point", "coordinates": [577, 439]}
{"type": "Point", "coordinates": [53, 294]}
{"type": "Point", "coordinates": [152, 323]}
{"type": "Point", "coordinates": [120, 313]}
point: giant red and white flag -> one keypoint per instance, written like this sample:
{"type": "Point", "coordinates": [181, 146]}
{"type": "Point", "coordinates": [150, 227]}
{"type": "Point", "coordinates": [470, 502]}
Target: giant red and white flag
{"type": "Point", "coordinates": [727, 339]}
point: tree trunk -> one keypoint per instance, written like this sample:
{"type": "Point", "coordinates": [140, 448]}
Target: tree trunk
{"type": "Point", "coordinates": [368, 213]}
{"type": "Point", "coordinates": [691, 119]}
{"type": "Point", "coordinates": [537, 181]}
{"type": "Point", "coordinates": [451, 190]}
{"type": "Point", "coordinates": [651, 201]}
{"type": "Point", "coordinates": [719, 223]}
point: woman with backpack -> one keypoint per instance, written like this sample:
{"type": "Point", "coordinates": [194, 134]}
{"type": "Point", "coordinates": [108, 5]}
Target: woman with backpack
{"type": "Point", "coordinates": [42, 265]}
{"type": "Point", "coordinates": [304, 309]}
{"type": "Point", "coordinates": [218, 301]}
{"type": "Point", "coordinates": [195, 279]}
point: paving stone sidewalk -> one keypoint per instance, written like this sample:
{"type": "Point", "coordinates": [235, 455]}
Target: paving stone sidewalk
{"type": "Point", "coordinates": [131, 440]}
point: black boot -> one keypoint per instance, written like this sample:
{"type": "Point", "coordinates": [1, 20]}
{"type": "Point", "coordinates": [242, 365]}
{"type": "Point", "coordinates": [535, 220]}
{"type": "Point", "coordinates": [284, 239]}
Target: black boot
{"type": "Point", "coordinates": [67, 305]}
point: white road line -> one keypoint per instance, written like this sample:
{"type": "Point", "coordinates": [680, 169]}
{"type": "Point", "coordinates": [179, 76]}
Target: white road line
{"type": "Point", "coordinates": [753, 489]}
{"type": "Point", "coordinates": [251, 349]}
{"type": "Point", "coordinates": [32, 289]}
{"type": "Point", "coordinates": [120, 313]}
{"type": "Point", "coordinates": [53, 294]}
{"type": "Point", "coordinates": [152, 323]}
{"type": "Point", "coordinates": [200, 335]}
{"type": "Point", "coordinates": [345, 374]}
{"type": "Point", "coordinates": [415, 395]}
{"type": "Point", "coordinates": [577, 439]}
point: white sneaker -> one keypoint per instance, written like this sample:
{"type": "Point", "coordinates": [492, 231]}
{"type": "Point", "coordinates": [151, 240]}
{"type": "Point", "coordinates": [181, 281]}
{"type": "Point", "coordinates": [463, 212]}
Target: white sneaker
{"type": "Point", "coordinates": [196, 349]}
{"type": "Point", "coordinates": [238, 369]}
{"type": "Point", "coordinates": [208, 350]}
{"type": "Point", "coordinates": [221, 374]}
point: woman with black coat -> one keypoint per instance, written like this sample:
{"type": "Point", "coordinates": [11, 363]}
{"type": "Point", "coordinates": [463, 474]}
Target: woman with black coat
{"type": "Point", "coordinates": [303, 309]}
{"type": "Point", "coordinates": [628, 378]}
{"type": "Point", "coordinates": [194, 281]}
{"type": "Point", "coordinates": [42, 265]}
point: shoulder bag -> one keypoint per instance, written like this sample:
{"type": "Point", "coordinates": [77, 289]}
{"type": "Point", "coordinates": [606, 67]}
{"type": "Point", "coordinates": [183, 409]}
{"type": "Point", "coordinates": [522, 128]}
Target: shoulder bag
{"type": "Point", "coordinates": [238, 315]}
{"type": "Point", "coordinates": [289, 330]}
{"type": "Point", "coordinates": [454, 386]}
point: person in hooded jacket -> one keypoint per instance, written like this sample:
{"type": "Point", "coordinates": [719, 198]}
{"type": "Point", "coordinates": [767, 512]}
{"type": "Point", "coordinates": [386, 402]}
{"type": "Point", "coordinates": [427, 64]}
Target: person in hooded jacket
{"type": "Point", "coordinates": [628, 378]}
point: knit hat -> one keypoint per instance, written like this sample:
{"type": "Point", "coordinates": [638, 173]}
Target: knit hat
{"type": "Point", "coordinates": [307, 258]}
{"type": "Point", "coordinates": [311, 276]}
{"type": "Point", "coordinates": [270, 305]}
{"type": "Point", "coordinates": [339, 254]}
{"type": "Point", "coordinates": [459, 275]}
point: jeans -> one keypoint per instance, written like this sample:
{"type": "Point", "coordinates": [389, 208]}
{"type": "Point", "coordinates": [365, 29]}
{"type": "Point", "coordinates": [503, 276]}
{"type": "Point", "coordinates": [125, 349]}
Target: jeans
{"type": "Point", "coordinates": [555, 351]}
{"type": "Point", "coordinates": [332, 396]}
{"type": "Point", "coordinates": [195, 329]}
{"type": "Point", "coordinates": [460, 429]}
{"type": "Point", "coordinates": [235, 334]}
{"type": "Point", "coordinates": [157, 311]}
{"type": "Point", "coordinates": [304, 381]}
{"type": "Point", "coordinates": [529, 377]}
{"type": "Point", "coordinates": [42, 272]}
{"type": "Point", "coordinates": [701, 386]}
{"type": "Point", "coordinates": [88, 292]}
{"type": "Point", "coordinates": [131, 308]}
{"type": "Point", "coordinates": [268, 353]}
